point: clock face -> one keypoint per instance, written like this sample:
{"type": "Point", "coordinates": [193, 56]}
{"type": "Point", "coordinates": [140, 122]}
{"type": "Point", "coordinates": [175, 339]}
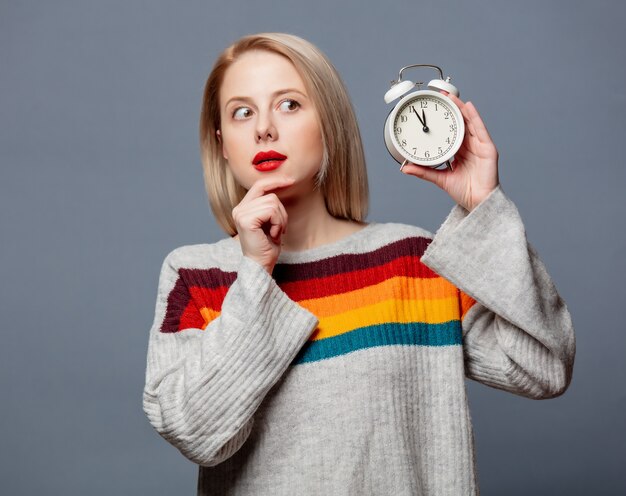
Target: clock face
{"type": "Point", "coordinates": [427, 129]}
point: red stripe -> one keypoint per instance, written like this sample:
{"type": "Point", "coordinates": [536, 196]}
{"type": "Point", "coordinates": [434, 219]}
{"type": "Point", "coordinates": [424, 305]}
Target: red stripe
{"type": "Point", "coordinates": [191, 317]}
{"type": "Point", "coordinates": [206, 297]}
{"type": "Point", "coordinates": [415, 246]}
{"type": "Point", "coordinates": [194, 289]}
{"type": "Point", "coordinates": [349, 281]}
{"type": "Point", "coordinates": [197, 288]}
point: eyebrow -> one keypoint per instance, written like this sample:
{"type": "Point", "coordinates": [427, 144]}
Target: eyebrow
{"type": "Point", "coordinates": [274, 95]}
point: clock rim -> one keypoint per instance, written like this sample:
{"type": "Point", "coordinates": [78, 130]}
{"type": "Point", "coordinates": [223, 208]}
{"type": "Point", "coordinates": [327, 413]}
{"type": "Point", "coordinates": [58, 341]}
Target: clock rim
{"type": "Point", "coordinates": [389, 136]}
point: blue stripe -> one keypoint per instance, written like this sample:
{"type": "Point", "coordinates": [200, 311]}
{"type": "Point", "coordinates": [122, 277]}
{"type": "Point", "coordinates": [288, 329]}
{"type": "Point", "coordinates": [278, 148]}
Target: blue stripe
{"type": "Point", "coordinates": [413, 333]}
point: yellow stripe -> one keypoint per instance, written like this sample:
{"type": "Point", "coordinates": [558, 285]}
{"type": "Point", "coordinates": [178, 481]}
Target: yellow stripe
{"type": "Point", "coordinates": [400, 303]}
{"type": "Point", "coordinates": [433, 311]}
{"type": "Point", "coordinates": [399, 288]}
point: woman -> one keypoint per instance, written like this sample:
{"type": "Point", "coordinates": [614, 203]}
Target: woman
{"type": "Point", "coordinates": [312, 353]}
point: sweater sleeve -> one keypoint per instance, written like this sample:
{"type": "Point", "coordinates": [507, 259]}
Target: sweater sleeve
{"type": "Point", "coordinates": [203, 386]}
{"type": "Point", "coordinates": [518, 336]}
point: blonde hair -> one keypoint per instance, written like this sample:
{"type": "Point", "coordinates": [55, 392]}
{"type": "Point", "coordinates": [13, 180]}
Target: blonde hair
{"type": "Point", "coordinates": [342, 176]}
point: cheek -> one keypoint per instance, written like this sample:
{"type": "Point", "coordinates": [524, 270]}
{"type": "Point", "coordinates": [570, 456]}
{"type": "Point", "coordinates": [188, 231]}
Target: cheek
{"type": "Point", "coordinates": [233, 140]}
{"type": "Point", "coordinates": [242, 176]}
{"type": "Point", "coordinates": [309, 136]}
{"type": "Point", "coordinates": [231, 146]}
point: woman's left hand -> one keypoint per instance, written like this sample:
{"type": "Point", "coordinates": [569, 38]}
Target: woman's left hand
{"type": "Point", "coordinates": [475, 165]}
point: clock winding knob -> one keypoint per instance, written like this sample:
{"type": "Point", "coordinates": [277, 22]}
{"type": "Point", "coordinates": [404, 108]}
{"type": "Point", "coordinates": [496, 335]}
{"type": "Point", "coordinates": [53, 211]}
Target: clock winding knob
{"type": "Point", "coordinates": [441, 85]}
{"type": "Point", "coordinates": [398, 89]}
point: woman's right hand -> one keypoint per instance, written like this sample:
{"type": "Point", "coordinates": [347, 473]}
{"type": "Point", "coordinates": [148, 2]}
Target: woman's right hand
{"type": "Point", "coordinates": [261, 220]}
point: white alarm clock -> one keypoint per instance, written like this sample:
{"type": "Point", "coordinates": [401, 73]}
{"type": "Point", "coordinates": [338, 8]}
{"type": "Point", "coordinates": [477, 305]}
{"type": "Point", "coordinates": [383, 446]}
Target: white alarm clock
{"type": "Point", "coordinates": [425, 127]}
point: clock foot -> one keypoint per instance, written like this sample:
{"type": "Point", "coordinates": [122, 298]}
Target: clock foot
{"type": "Point", "coordinates": [449, 165]}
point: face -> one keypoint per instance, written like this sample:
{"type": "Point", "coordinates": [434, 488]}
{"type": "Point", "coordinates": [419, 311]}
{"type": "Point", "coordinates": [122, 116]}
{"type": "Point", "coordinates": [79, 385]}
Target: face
{"type": "Point", "coordinates": [266, 113]}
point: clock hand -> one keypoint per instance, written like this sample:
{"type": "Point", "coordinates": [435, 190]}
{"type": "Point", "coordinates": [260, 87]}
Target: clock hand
{"type": "Point", "coordinates": [424, 121]}
{"type": "Point", "coordinates": [418, 116]}
{"type": "Point", "coordinates": [424, 127]}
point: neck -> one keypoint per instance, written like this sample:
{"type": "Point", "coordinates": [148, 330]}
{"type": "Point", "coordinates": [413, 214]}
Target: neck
{"type": "Point", "coordinates": [309, 223]}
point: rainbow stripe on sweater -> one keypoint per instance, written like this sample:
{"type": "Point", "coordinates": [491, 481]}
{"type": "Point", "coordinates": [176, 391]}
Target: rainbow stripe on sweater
{"type": "Point", "coordinates": [383, 297]}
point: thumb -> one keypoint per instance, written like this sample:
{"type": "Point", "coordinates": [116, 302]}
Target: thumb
{"type": "Point", "coordinates": [436, 177]}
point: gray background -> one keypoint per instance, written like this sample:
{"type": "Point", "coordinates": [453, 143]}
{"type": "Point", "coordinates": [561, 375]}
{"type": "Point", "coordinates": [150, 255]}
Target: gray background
{"type": "Point", "coordinates": [101, 178]}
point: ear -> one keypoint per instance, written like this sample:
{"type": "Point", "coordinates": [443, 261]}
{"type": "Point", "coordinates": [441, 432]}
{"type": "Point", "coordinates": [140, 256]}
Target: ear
{"type": "Point", "coordinates": [218, 135]}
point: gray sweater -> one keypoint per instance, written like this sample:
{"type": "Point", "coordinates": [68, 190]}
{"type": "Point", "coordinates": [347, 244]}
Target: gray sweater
{"type": "Point", "coordinates": [343, 372]}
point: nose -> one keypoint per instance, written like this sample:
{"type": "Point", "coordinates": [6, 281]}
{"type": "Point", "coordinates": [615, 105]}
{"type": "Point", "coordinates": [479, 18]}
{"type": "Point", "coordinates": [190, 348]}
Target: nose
{"type": "Point", "coordinates": [265, 128]}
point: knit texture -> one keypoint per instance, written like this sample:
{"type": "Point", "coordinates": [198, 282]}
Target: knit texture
{"type": "Point", "coordinates": [343, 372]}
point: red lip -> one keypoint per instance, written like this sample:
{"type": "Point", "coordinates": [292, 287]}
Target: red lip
{"type": "Point", "coordinates": [267, 156]}
{"type": "Point", "coordinates": [268, 165]}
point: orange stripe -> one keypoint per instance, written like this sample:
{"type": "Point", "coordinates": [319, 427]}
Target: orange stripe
{"type": "Point", "coordinates": [208, 314]}
{"type": "Point", "coordinates": [467, 302]}
{"type": "Point", "coordinates": [398, 288]}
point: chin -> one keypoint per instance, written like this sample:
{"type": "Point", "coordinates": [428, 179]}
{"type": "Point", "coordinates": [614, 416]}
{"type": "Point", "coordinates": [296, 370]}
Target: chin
{"type": "Point", "coordinates": [298, 190]}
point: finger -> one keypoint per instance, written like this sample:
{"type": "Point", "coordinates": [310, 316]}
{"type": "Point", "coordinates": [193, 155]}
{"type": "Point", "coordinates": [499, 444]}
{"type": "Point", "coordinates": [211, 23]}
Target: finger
{"type": "Point", "coordinates": [278, 220]}
{"type": "Point", "coordinates": [263, 216]}
{"type": "Point", "coordinates": [267, 184]}
{"type": "Point", "coordinates": [271, 200]}
{"type": "Point", "coordinates": [477, 123]}
{"type": "Point", "coordinates": [275, 231]}
{"type": "Point", "coordinates": [470, 142]}
{"type": "Point", "coordinates": [467, 118]}
{"type": "Point", "coordinates": [462, 107]}
{"type": "Point", "coordinates": [262, 203]}
{"type": "Point", "coordinates": [279, 227]}
{"type": "Point", "coordinates": [467, 115]}
{"type": "Point", "coordinates": [285, 217]}
{"type": "Point", "coordinates": [427, 173]}
{"type": "Point", "coordinates": [457, 101]}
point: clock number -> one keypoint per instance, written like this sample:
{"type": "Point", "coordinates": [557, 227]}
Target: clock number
{"type": "Point", "coordinates": [448, 140]}
{"type": "Point", "coordinates": [398, 130]}
{"type": "Point", "coordinates": [446, 115]}
{"type": "Point", "coordinates": [411, 108]}
{"type": "Point", "coordinates": [436, 108]}
{"type": "Point", "coordinates": [403, 143]}
{"type": "Point", "coordinates": [439, 150]}
{"type": "Point", "coordinates": [414, 151]}
{"type": "Point", "coordinates": [452, 127]}
{"type": "Point", "coordinates": [427, 154]}
{"type": "Point", "coordinates": [423, 104]}
{"type": "Point", "coordinates": [403, 118]}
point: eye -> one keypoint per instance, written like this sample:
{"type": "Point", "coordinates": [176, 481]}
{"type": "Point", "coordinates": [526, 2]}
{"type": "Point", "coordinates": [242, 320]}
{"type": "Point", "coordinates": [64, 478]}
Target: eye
{"type": "Point", "coordinates": [289, 105]}
{"type": "Point", "coordinates": [241, 113]}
